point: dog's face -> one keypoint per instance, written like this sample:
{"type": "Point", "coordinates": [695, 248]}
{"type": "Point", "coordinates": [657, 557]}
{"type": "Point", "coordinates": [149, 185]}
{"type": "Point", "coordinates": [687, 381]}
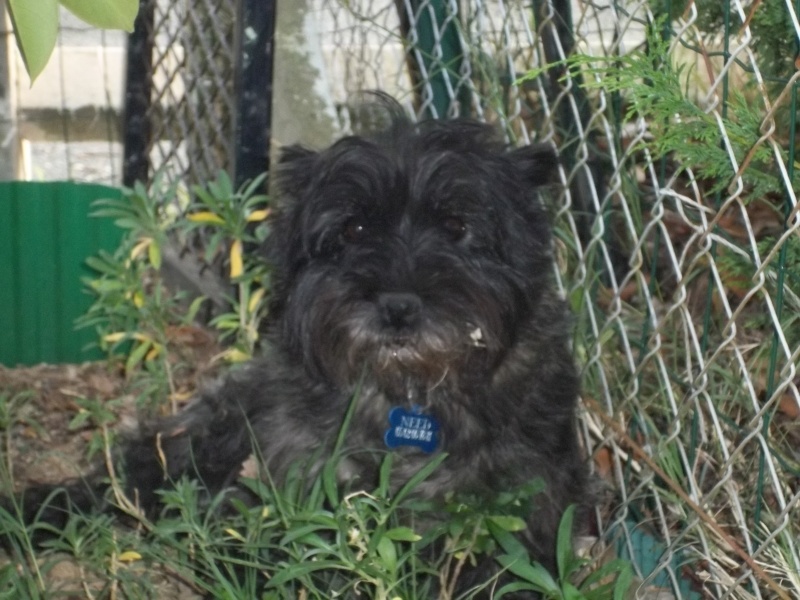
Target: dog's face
{"type": "Point", "coordinates": [411, 255]}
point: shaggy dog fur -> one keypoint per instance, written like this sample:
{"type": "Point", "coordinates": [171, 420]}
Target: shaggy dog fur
{"type": "Point", "coordinates": [412, 268]}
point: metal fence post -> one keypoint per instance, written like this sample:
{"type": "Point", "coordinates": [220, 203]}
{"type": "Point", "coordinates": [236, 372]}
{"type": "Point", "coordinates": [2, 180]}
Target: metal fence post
{"type": "Point", "coordinates": [253, 84]}
{"type": "Point", "coordinates": [9, 159]}
{"type": "Point", "coordinates": [438, 56]}
{"type": "Point", "coordinates": [137, 128]}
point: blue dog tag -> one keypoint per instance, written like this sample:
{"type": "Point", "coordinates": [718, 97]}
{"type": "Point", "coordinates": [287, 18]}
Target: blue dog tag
{"type": "Point", "coordinates": [411, 428]}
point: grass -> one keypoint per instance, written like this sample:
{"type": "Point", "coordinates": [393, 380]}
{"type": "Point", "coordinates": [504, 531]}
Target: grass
{"type": "Point", "coordinates": [304, 539]}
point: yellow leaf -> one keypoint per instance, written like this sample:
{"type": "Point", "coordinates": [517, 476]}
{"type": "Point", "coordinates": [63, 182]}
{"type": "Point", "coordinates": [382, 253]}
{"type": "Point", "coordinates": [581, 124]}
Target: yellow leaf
{"type": "Point", "coordinates": [236, 259]}
{"type": "Point", "coordinates": [206, 216]}
{"type": "Point", "coordinates": [113, 338]}
{"type": "Point", "coordinates": [140, 247]}
{"type": "Point", "coordinates": [235, 534]}
{"type": "Point", "coordinates": [179, 397]}
{"type": "Point", "coordinates": [154, 352]}
{"type": "Point", "coordinates": [257, 215]}
{"type": "Point", "coordinates": [235, 355]}
{"type": "Point", "coordinates": [138, 300]}
{"type": "Point", "coordinates": [254, 300]}
{"type": "Point", "coordinates": [129, 556]}
{"type": "Point", "coordinates": [265, 512]}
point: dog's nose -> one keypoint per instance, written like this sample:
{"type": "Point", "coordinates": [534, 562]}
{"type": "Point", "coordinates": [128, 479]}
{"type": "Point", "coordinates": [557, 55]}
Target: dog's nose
{"type": "Point", "coordinates": [399, 309]}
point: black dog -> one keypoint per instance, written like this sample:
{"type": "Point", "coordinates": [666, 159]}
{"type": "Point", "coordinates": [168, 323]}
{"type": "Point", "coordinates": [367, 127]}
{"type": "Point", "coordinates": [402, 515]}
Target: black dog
{"type": "Point", "coordinates": [414, 270]}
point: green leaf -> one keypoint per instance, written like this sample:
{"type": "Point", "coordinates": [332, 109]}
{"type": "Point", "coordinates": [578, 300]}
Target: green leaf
{"type": "Point", "coordinates": [623, 582]}
{"type": "Point", "coordinates": [154, 254]}
{"type": "Point", "coordinates": [508, 522]}
{"type": "Point", "coordinates": [403, 534]}
{"type": "Point", "coordinates": [570, 592]}
{"type": "Point", "coordinates": [418, 477]}
{"type": "Point", "coordinates": [137, 355]}
{"type": "Point", "coordinates": [388, 554]}
{"type": "Point", "coordinates": [385, 478]}
{"type": "Point", "coordinates": [303, 534]}
{"type": "Point", "coordinates": [35, 25]}
{"type": "Point", "coordinates": [533, 573]}
{"type": "Point", "coordinates": [564, 553]}
{"type": "Point", "coordinates": [296, 571]}
{"type": "Point", "coordinates": [514, 587]}
{"type": "Point", "coordinates": [507, 542]}
{"type": "Point", "coordinates": [106, 14]}
{"type": "Point", "coordinates": [194, 308]}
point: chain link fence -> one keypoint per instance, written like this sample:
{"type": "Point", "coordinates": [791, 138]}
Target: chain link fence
{"type": "Point", "coordinates": [677, 238]}
{"type": "Point", "coordinates": [677, 244]}
{"type": "Point", "coordinates": [180, 94]}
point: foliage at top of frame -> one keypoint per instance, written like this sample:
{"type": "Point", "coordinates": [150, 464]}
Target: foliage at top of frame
{"type": "Point", "coordinates": [654, 89]}
{"type": "Point", "coordinates": [770, 24]}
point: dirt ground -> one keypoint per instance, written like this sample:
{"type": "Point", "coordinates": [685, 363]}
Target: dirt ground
{"type": "Point", "coordinates": [44, 397]}
{"type": "Point", "coordinates": [37, 405]}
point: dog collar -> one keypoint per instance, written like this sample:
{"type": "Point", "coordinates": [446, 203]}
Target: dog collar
{"type": "Point", "coordinates": [412, 428]}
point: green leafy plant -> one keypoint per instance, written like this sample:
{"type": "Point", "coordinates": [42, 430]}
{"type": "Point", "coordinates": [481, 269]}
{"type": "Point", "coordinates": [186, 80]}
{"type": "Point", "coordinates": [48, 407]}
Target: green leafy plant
{"type": "Point", "coordinates": [610, 580]}
{"type": "Point", "coordinates": [136, 313]}
{"type": "Point", "coordinates": [235, 220]}
{"type": "Point", "coordinates": [309, 538]}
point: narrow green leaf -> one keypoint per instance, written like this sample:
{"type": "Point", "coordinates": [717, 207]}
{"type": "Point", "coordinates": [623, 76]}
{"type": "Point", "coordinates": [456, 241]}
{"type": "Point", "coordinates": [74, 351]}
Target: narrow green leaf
{"type": "Point", "coordinates": [137, 355]}
{"type": "Point", "coordinates": [403, 534]}
{"type": "Point", "coordinates": [533, 573]}
{"type": "Point", "coordinates": [623, 582]}
{"type": "Point", "coordinates": [385, 477]}
{"type": "Point", "coordinates": [570, 592]}
{"type": "Point", "coordinates": [35, 26]}
{"type": "Point", "coordinates": [301, 533]}
{"type": "Point", "coordinates": [508, 522]}
{"type": "Point", "coordinates": [296, 571]}
{"type": "Point", "coordinates": [154, 254]}
{"type": "Point", "coordinates": [508, 542]}
{"type": "Point", "coordinates": [194, 308]}
{"type": "Point", "coordinates": [106, 14]}
{"type": "Point", "coordinates": [512, 588]}
{"type": "Point", "coordinates": [388, 554]}
{"type": "Point", "coordinates": [418, 478]}
{"type": "Point", "coordinates": [79, 420]}
{"type": "Point", "coordinates": [564, 553]}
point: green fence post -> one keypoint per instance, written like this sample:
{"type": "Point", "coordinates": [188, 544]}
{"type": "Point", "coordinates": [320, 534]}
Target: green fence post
{"type": "Point", "coordinates": [439, 51]}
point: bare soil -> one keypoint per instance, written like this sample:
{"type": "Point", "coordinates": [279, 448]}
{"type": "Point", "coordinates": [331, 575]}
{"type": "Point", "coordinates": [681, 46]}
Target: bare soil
{"type": "Point", "coordinates": [39, 446]}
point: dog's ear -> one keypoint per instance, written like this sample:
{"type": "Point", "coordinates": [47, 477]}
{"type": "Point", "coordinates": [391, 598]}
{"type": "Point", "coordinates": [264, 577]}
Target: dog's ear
{"type": "Point", "coordinates": [537, 163]}
{"type": "Point", "coordinates": [295, 170]}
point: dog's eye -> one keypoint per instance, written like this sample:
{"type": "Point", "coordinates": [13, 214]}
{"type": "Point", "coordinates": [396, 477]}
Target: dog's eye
{"type": "Point", "coordinates": [454, 227]}
{"type": "Point", "coordinates": [353, 230]}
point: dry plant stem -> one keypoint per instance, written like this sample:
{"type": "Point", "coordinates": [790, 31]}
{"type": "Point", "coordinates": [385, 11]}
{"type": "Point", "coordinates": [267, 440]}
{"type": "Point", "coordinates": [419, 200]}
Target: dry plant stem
{"type": "Point", "coordinates": [85, 585]}
{"type": "Point", "coordinates": [132, 509]}
{"type": "Point", "coordinates": [639, 452]}
{"type": "Point", "coordinates": [449, 590]}
{"type": "Point", "coordinates": [767, 125]}
{"type": "Point", "coordinates": [173, 392]}
{"type": "Point", "coordinates": [9, 462]}
{"type": "Point", "coordinates": [119, 494]}
{"type": "Point", "coordinates": [114, 568]}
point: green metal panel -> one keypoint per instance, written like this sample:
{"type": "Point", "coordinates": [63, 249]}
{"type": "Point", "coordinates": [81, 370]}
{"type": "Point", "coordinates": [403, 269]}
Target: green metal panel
{"type": "Point", "coordinates": [46, 235]}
